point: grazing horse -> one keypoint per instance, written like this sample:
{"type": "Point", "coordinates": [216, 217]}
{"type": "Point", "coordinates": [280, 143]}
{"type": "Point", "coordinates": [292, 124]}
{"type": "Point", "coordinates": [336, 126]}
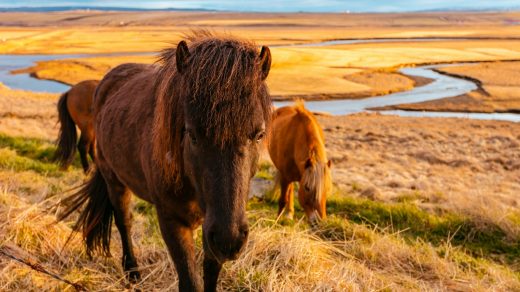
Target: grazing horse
{"type": "Point", "coordinates": [297, 148]}
{"type": "Point", "coordinates": [75, 108]}
{"type": "Point", "coordinates": [184, 135]}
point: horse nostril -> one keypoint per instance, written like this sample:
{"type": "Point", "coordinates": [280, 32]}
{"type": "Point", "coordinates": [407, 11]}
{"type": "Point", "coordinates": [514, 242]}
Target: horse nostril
{"type": "Point", "coordinates": [244, 232]}
{"type": "Point", "coordinates": [211, 238]}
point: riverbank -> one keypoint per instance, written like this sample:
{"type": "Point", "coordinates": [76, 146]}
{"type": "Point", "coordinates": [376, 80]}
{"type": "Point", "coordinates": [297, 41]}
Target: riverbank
{"type": "Point", "coordinates": [318, 73]}
{"type": "Point", "coordinates": [498, 87]}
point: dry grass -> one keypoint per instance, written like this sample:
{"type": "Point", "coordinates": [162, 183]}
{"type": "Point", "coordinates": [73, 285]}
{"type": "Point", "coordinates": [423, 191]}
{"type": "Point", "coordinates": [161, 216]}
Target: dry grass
{"type": "Point", "coordinates": [27, 114]}
{"type": "Point", "coordinates": [465, 166]}
{"type": "Point", "coordinates": [343, 254]}
{"type": "Point", "coordinates": [276, 258]}
{"type": "Point", "coordinates": [443, 213]}
{"type": "Point", "coordinates": [96, 31]}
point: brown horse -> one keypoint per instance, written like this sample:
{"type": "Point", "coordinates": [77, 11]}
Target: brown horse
{"type": "Point", "coordinates": [297, 149]}
{"type": "Point", "coordinates": [75, 108]}
{"type": "Point", "coordinates": [184, 135]}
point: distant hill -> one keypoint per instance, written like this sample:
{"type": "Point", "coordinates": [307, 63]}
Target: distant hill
{"type": "Point", "coordinates": [71, 8]}
{"type": "Point", "coordinates": [499, 9]}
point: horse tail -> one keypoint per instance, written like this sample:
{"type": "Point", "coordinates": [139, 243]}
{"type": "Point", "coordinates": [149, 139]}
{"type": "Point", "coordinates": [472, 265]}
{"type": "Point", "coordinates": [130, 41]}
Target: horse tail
{"type": "Point", "coordinates": [67, 136]}
{"type": "Point", "coordinates": [95, 221]}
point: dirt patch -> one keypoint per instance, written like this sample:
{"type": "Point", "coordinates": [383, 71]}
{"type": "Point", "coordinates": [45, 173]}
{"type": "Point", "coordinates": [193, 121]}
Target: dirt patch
{"type": "Point", "coordinates": [462, 159]}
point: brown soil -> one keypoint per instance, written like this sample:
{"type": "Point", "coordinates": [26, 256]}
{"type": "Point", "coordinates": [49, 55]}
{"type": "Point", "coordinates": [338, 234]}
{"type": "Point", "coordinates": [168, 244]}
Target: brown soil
{"type": "Point", "coordinates": [444, 159]}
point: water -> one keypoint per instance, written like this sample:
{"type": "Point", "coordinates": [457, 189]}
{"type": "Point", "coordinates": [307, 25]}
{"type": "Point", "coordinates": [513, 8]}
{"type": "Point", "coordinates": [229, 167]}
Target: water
{"type": "Point", "coordinates": [442, 87]}
{"type": "Point", "coordinates": [477, 116]}
{"type": "Point", "coordinates": [370, 41]}
{"type": "Point", "coordinates": [26, 82]}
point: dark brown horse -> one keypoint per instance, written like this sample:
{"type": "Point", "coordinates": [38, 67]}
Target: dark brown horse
{"type": "Point", "coordinates": [75, 108]}
{"type": "Point", "coordinates": [297, 148]}
{"type": "Point", "coordinates": [184, 135]}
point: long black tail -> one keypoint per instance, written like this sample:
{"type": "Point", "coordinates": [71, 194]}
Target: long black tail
{"type": "Point", "coordinates": [95, 221]}
{"type": "Point", "coordinates": [67, 137]}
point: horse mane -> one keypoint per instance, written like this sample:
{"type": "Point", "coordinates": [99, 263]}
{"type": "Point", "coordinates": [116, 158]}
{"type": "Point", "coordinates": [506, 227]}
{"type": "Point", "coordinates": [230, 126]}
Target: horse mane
{"type": "Point", "coordinates": [219, 90]}
{"type": "Point", "coordinates": [315, 175]}
{"type": "Point", "coordinates": [317, 146]}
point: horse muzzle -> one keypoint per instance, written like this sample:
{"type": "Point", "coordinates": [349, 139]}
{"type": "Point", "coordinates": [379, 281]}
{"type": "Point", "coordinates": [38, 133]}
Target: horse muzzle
{"type": "Point", "coordinates": [224, 245]}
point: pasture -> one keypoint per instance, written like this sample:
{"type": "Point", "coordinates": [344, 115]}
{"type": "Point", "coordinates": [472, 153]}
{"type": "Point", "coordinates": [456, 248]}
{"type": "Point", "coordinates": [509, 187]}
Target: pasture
{"type": "Point", "coordinates": [423, 204]}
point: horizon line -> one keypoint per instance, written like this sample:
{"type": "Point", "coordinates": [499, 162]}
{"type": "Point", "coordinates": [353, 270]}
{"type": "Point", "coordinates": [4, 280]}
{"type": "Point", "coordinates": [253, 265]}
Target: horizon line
{"type": "Point", "coordinates": [108, 8]}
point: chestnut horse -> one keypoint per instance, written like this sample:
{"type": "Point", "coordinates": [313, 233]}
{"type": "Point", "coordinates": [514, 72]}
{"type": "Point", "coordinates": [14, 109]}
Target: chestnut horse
{"type": "Point", "coordinates": [184, 135]}
{"type": "Point", "coordinates": [75, 108]}
{"type": "Point", "coordinates": [297, 148]}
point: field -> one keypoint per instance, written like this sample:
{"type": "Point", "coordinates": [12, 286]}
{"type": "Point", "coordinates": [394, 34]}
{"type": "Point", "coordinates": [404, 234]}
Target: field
{"type": "Point", "coordinates": [422, 204]}
{"type": "Point", "coordinates": [340, 71]}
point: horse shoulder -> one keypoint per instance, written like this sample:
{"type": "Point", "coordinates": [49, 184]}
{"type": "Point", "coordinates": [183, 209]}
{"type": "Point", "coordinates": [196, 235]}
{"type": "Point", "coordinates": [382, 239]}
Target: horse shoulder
{"type": "Point", "coordinates": [285, 142]}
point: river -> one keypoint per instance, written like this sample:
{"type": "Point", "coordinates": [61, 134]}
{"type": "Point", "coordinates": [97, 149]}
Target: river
{"type": "Point", "coordinates": [443, 86]}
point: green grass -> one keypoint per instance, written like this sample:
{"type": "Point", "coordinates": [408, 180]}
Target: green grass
{"type": "Point", "coordinates": [265, 171]}
{"type": "Point", "coordinates": [9, 159]}
{"type": "Point", "coordinates": [151, 223]}
{"type": "Point", "coordinates": [21, 154]}
{"type": "Point", "coordinates": [411, 222]}
{"type": "Point", "coordinates": [35, 149]}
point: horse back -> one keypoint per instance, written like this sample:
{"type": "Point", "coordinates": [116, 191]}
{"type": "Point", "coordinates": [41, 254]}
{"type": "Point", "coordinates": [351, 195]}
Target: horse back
{"type": "Point", "coordinates": [124, 109]}
{"type": "Point", "coordinates": [115, 80]}
{"type": "Point", "coordinates": [79, 102]}
{"type": "Point", "coordinates": [295, 137]}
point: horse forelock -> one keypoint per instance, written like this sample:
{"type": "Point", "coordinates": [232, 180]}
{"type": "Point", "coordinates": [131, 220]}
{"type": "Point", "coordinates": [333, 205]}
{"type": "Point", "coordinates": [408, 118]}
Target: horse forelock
{"type": "Point", "coordinates": [224, 90]}
{"type": "Point", "coordinates": [221, 91]}
{"type": "Point", "coordinates": [315, 178]}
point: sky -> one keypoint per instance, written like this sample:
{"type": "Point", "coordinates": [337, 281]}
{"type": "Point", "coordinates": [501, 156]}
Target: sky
{"type": "Point", "coordinates": [283, 5]}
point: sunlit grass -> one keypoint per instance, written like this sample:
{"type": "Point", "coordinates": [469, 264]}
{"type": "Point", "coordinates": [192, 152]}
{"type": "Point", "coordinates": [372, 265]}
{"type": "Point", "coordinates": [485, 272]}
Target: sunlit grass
{"type": "Point", "coordinates": [362, 245]}
{"type": "Point", "coordinates": [19, 154]}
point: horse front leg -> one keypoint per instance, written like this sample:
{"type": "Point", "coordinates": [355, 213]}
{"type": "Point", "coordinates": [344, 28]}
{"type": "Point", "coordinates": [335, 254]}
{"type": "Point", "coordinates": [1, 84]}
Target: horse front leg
{"type": "Point", "coordinates": [212, 269]}
{"type": "Point", "coordinates": [286, 200]}
{"type": "Point", "coordinates": [179, 239]}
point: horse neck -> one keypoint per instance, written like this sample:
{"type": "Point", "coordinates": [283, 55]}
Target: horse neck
{"type": "Point", "coordinates": [167, 131]}
{"type": "Point", "coordinates": [314, 134]}
{"type": "Point", "coordinates": [317, 146]}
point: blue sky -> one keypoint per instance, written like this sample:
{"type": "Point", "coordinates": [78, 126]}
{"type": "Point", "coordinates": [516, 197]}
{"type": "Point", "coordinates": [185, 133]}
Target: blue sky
{"type": "Point", "coordinates": [282, 6]}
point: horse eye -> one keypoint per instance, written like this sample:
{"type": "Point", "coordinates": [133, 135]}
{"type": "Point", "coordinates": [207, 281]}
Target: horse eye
{"type": "Point", "coordinates": [307, 189]}
{"type": "Point", "coordinates": [260, 136]}
{"type": "Point", "coordinates": [193, 139]}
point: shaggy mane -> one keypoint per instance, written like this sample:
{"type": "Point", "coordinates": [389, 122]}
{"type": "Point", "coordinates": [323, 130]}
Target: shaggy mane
{"type": "Point", "coordinates": [220, 90]}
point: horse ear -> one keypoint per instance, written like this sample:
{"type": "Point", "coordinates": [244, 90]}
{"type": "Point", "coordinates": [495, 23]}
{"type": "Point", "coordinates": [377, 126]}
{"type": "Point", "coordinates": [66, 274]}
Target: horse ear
{"type": "Point", "coordinates": [181, 56]}
{"type": "Point", "coordinates": [308, 163]}
{"type": "Point", "coordinates": [329, 163]}
{"type": "Point", "coordinates": [265, 61]}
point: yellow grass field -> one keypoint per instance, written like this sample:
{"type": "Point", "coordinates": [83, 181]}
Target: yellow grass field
{"type": "Point", "coordinates": [352, 71]}
{"type": "Point", "coordinates": [419, 204]}
{"type": "Point", "coordinates": [341, 71]}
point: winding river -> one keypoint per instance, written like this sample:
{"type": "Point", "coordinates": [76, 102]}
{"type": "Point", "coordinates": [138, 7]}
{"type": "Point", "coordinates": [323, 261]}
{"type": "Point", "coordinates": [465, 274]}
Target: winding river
{"type": "Point", "coordinates": [443, 86]}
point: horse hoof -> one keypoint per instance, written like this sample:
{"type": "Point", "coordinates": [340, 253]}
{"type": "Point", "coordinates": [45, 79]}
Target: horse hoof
{"type": "Point", "coordinates": [289, 216]}
{"type": "Point", "coordinates": [133, 276]}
